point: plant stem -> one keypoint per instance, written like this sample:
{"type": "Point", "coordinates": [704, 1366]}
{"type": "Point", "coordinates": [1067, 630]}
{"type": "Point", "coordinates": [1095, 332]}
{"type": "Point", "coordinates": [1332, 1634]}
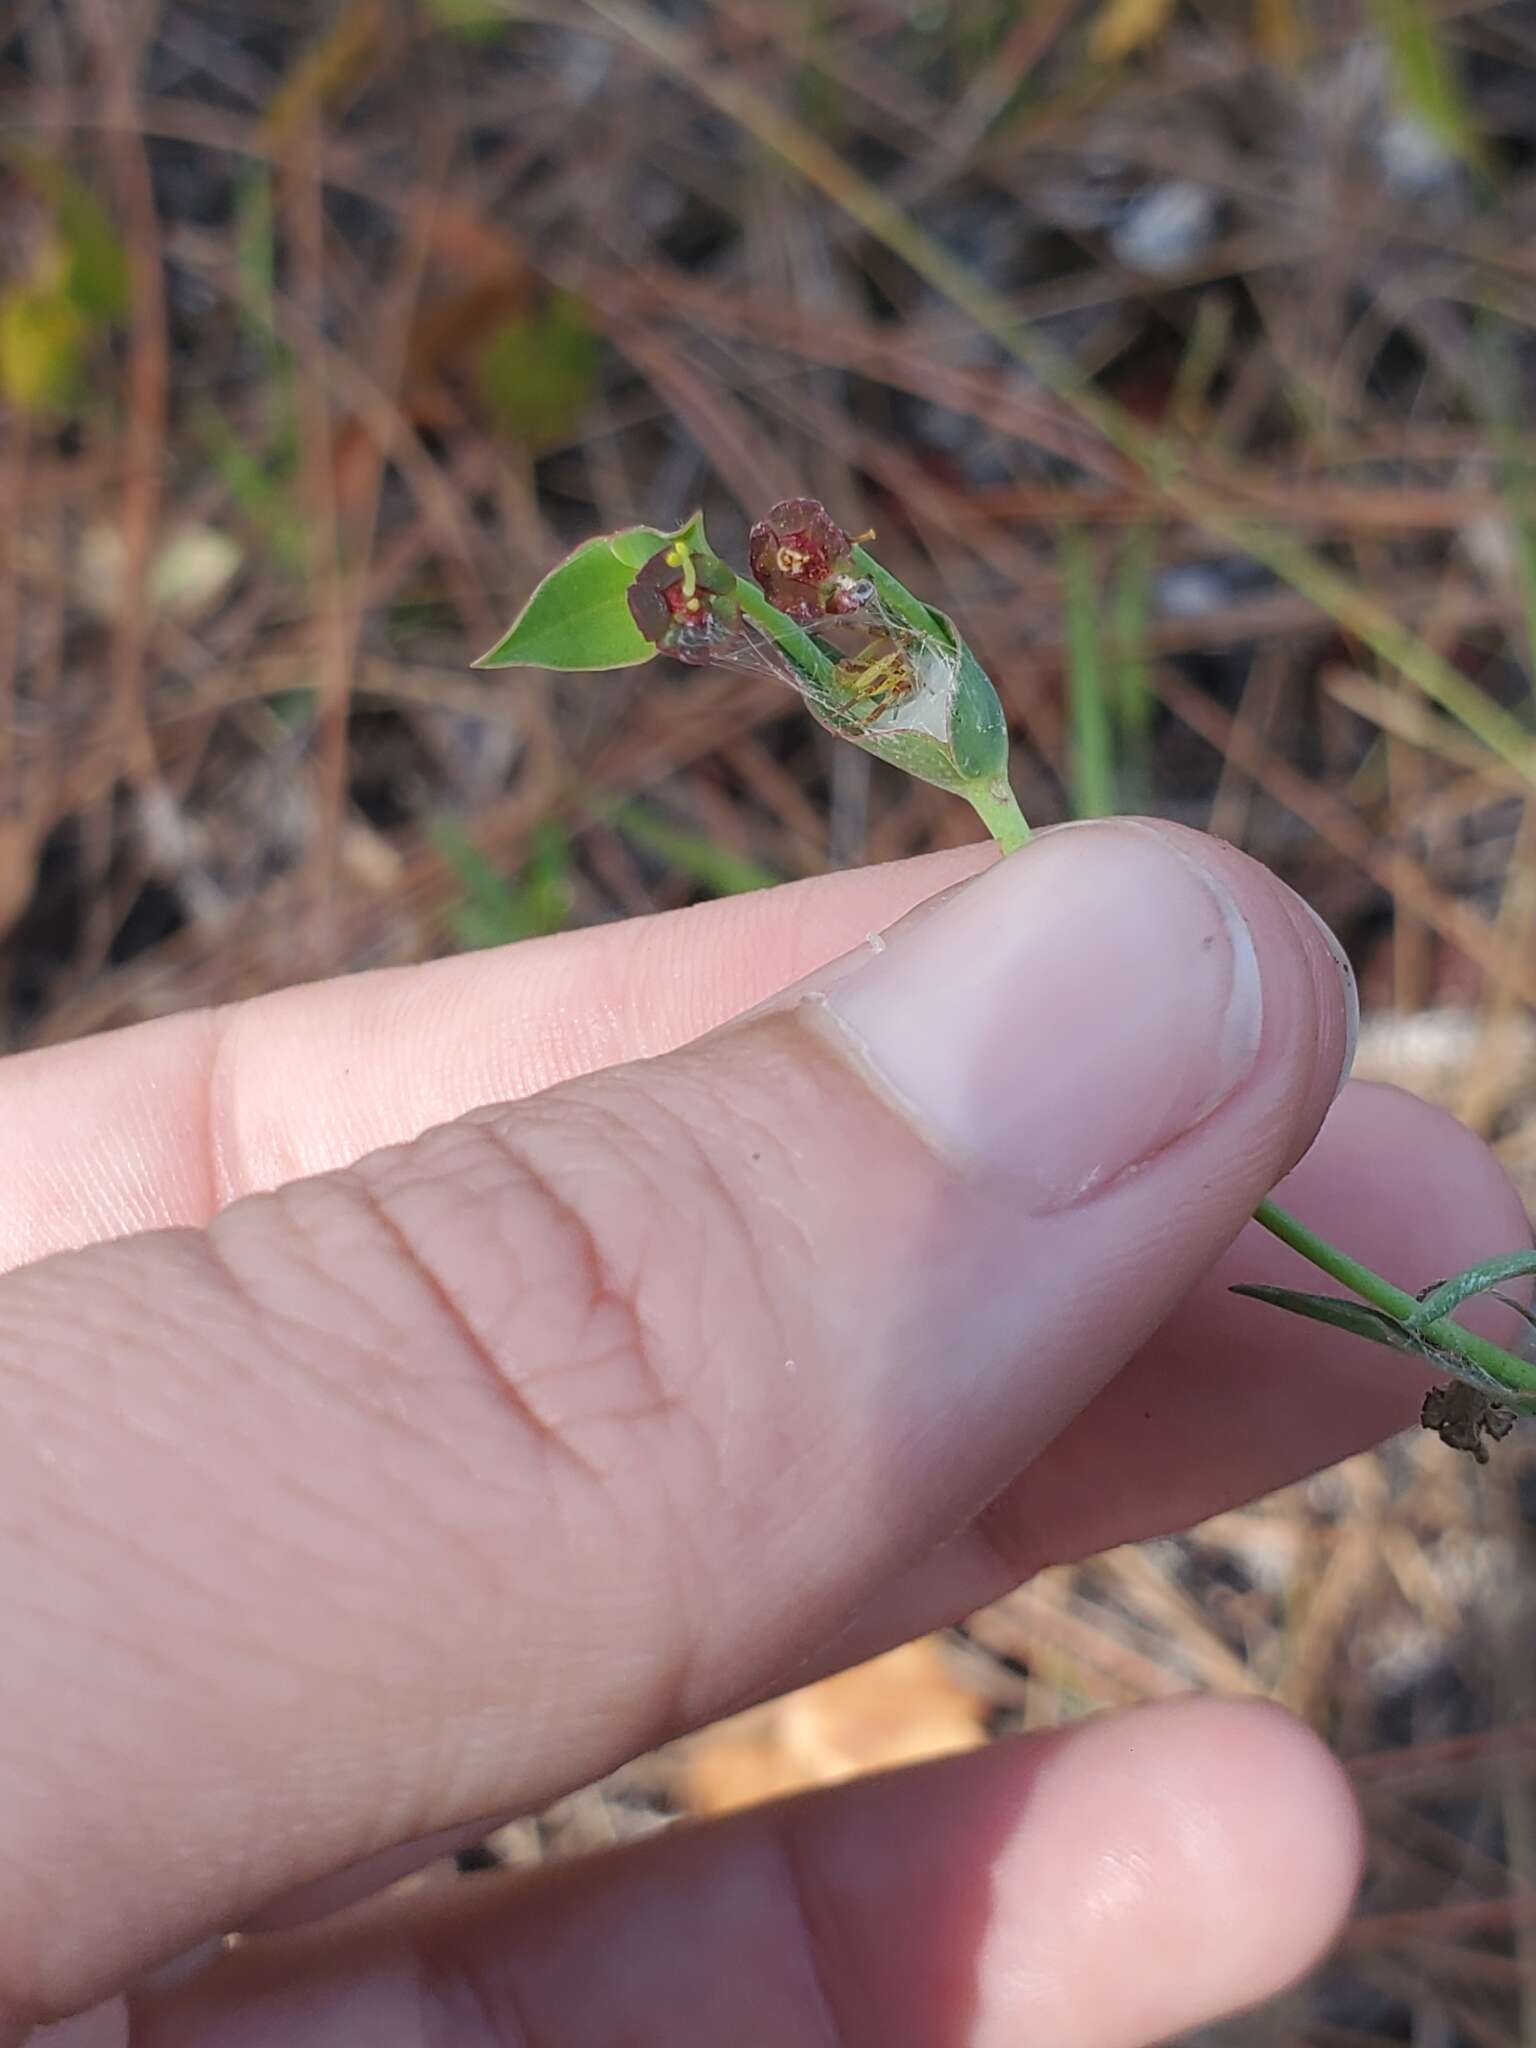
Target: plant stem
{"type": "Point", "coordinates": [792, 641]}
{"type": "Point", "coordinates": [1337, 1265]}
{"type": "Point", "coordinates": [998, 809]}
{"type": "Point", "coordinates": [1517, 1375]}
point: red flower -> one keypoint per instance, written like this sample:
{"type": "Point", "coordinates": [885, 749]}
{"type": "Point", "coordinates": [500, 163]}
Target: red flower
{"type": "Point", "coordinates": [684, 602]}
{"type": "Point", "coordinates": [804, 562]}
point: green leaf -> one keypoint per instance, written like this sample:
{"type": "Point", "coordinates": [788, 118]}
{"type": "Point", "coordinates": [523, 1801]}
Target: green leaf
{"type": "Point", "coordinates": [1377, 1327]}
{"type": "Point", "coordinates": [578, 618]}
{"type": "Point", "coordinates": [1479, 1279]}
{"type": "Point", "coordinates": [978, 730]}
{"type": "Point", "coordinates": [1354, 1316]}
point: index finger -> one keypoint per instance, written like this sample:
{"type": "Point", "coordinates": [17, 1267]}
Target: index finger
{"type": "Point", "coordinates": [166, 1123]}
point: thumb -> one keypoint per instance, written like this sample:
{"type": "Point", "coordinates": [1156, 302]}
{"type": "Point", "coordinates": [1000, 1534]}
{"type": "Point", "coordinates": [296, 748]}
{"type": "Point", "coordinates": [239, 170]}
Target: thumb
{"type": "Point", "coordinates": [430, 1488]}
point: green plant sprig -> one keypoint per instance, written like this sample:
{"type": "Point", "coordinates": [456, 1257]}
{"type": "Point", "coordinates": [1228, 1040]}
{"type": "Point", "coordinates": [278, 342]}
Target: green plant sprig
{"type": "Point", "coordinates": [918, 698]}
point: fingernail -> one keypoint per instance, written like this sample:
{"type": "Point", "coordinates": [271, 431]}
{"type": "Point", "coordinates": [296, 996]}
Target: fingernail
{"type": "Point", "coordinates": [1066, 1016]}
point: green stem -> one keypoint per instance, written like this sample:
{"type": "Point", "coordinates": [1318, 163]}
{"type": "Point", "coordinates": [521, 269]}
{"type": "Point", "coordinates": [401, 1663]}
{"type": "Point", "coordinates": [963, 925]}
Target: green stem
{"type": "Point", "coordinates": [1516, 1374]}
{"type": "Point", "coordinates": [792, 641]}
{"type": "Point", "coordinates": [998, 809]}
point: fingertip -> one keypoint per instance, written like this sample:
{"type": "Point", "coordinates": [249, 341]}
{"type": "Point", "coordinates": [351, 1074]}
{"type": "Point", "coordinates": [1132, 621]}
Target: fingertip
{"type": "Point", "coordinates": [1188, 1861]}
{"type": "Point", "coordinates": [1071, 1016]}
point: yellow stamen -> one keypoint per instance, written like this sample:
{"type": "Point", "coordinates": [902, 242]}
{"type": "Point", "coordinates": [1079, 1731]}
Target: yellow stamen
{"type": "Point", "coordinates": [681, 557]}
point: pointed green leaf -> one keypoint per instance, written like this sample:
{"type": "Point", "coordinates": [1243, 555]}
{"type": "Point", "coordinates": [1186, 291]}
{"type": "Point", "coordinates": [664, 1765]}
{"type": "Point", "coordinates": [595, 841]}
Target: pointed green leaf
{"type": "Point", "coordinates": [1341, 1314]}
{"type": "Point", "coordinates": [578, 618]}
{"type": "Point", "coordinates": [1379, 1328]}
{"type": "Point", "coordinates": [1479, 1279]}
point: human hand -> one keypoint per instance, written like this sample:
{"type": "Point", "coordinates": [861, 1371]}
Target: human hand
{"type": "Point", "coordinates": [433, 1485]}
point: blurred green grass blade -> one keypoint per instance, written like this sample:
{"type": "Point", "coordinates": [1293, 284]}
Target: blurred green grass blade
{"type": "Point", "coordinates": [266, 491]}
{"type": "Point", "coordinates": [547, 893]}
{"type": "Point", "coordinates": [266, 485]}
{"type": "Point", "coordinates": [495, 910]}
{"type": "Point", "coordinates": [1091, 776]}
{"type": "Point", "coordinates": [1210, 340]}
{"type": "Point", "coordinates": [1135, 704]}
{"type": "Point", "coordinates": [256, 260]}
{"type": "Point", "coordinates": [713, 867]}
{"type": "Point", "coordinates": [1427, 85]}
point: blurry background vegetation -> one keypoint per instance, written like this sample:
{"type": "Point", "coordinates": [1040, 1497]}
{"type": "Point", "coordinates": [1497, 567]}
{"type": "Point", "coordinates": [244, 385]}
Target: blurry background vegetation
{"type": "Point", "coordinates": [1184, 351]}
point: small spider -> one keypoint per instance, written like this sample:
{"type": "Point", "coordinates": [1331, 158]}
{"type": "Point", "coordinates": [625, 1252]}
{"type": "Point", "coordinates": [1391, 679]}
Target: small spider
{"type": "Point", "coordinates": [875, 682]}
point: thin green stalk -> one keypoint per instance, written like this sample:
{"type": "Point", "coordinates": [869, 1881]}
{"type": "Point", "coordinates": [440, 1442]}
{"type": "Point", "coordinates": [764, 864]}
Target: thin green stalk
{"type": "Point", "coordinates": [1517, 1374]}
{"type": "Point", "coordinates": [1093, 776]}
{"type": "Point", "coordinates": [1135, 704]}
{"type": "Point", "coordinates": [998, 809]}
{"type": "Point", "coordinates": [792, 641]}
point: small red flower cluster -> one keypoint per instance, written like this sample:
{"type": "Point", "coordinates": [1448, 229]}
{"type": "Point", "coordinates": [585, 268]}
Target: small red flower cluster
{"type": "Point", "coordinates": [803, 561]}
{"type": "Point", "coordinates": [684, 601]}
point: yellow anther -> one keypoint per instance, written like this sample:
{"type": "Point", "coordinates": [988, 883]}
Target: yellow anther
{"type": "Point", "coordinates": [681, 557]}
